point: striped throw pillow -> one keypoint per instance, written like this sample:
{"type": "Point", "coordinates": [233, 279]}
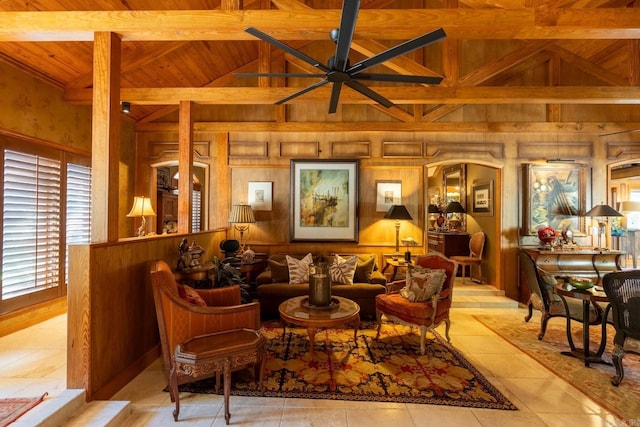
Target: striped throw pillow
{"type": "Point", "coordinates": [299, 269]}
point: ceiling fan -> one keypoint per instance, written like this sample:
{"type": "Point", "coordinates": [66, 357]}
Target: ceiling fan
{"type": "Point", "coordinates": [338, 71]}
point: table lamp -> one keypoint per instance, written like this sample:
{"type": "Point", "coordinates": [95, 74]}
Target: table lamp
{"type": "Point", "coordinates": [398, 212]}
{"type": "Point", "coordinates": [631, 211]}
{"type": "Point", "coordinates": [602, 213]}
{"type": "Point", "coordinates": [454, 208]}
{"type": "Point", "coordinates": [433, 212]}
{"type": "Point", "coordinates": [242, 217]}
{"type": "Point", "coordinates": [141, 209]}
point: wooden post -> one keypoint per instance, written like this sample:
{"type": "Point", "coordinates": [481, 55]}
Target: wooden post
{"type": "Point", "coordinates": [185, 167]}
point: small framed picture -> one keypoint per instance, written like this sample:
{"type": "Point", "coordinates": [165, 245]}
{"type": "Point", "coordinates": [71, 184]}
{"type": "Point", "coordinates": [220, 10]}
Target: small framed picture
{"type": "Point", "coordinates": [388, 193]}
{"type": "Point", "coordinates": [260, 196]}
{"type": "Point", "coordinates": [482, 193]}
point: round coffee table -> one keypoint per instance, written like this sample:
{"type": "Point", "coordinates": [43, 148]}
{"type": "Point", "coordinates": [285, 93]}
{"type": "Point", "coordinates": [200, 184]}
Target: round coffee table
{"type": "Point", "coordinates": [297, 311]}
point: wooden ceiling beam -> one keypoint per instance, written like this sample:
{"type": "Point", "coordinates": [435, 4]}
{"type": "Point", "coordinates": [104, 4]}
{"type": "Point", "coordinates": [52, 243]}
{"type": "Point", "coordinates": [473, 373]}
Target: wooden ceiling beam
{"type": "Point", "coordinates": [398, 95]}
{"type": "Point", "coordinates": [593, 128]}
{"type": "Point", "coordinates": [392, 24]}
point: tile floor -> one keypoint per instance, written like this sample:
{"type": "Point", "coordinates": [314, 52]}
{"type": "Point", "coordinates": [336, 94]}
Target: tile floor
{"type": "Point", "coordinates": [33, 361]}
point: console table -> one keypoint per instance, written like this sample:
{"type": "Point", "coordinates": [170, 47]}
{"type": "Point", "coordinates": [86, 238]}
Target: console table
{"type": "Point", "coordinates": [581, 262]}
{"type": "Point", "coordinates": [448, 243]}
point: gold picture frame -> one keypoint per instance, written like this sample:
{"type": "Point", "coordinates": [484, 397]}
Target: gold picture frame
{"type": "Point", "coordinates": [554, 196]}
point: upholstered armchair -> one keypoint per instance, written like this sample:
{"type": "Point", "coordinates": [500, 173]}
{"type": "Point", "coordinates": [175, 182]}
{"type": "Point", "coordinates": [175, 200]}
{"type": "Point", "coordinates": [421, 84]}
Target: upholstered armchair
{"type": "Point", "coordinates": [179, 320]}
{"type": "Point", "coordinates": [544, 299]}
{"type": "Point", "coordinates": [425, 315]}
{"type": "Point", "coordinates": [623, 290]}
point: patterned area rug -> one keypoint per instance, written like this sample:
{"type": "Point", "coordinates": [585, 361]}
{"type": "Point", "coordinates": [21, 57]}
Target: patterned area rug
{"type": "Point", "coordinates": [594, 381]}
{"type": "Point", "coordinates": [13, 408]}
{"type": "Point", "coordinates": [388, 370]}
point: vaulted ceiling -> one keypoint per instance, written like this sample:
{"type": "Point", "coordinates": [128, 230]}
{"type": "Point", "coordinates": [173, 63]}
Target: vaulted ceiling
{"type": "Point", "coordinates": [175, 50]}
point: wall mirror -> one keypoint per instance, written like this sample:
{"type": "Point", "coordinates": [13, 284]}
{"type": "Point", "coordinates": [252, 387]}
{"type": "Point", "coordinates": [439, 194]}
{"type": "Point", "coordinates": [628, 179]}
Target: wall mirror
{"type": "Point", "coordinates": [454, 184]}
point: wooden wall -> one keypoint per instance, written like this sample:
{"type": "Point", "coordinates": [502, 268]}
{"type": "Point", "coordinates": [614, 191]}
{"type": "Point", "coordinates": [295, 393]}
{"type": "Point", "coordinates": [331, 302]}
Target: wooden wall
{"type": "Point", "coordinates": [112, 327]}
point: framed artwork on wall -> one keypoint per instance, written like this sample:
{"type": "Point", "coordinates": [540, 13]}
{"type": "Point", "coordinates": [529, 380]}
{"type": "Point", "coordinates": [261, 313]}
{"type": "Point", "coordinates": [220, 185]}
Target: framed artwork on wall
{"type": "Point", "coordinates": [324, 200]}
{"type": "Point", "coordinates": [554, 196]}
{"type": "Point", "coordinates": [260, 195]}
{"type": "Point", "coordinates": [482, 198]}
{"type": "Point", "coordinates": [388, 193]}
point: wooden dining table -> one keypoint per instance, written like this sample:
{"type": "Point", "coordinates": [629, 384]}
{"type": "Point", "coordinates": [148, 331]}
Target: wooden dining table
{"type": "Point", "coordinates": [587, 296]}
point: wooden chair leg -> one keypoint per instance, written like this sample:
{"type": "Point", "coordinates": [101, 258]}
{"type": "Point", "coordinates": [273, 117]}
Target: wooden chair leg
{"type": "Point", "coordinates": [379, 317]}
{"type": "Point", "coordinates": [227, 389]}
{"type": "Point", "coordinates": [173, 391]}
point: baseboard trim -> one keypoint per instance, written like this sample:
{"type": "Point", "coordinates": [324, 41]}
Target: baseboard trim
{"type": "Point", "coordinates": [32, 315]}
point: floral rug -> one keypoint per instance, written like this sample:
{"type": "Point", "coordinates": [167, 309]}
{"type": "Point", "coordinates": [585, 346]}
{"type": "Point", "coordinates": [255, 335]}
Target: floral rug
{"type": "Point", "coordinates": [594, 381]}
{"type": "Point", "coordinates": [388, 370]}
{"type": "Point", "coordinates": [14, 407]}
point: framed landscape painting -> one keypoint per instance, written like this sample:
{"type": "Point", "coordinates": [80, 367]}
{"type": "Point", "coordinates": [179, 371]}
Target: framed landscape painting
{"type": "Point", "coordinates": [324, 200]}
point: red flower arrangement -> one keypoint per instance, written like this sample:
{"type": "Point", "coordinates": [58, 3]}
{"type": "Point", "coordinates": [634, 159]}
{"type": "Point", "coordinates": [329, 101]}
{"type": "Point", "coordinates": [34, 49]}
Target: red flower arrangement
{"type": "Point", "coordinates": [547, 234]}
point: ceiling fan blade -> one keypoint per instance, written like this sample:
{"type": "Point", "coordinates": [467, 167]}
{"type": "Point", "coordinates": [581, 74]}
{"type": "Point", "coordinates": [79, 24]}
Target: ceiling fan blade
{"type": "Point", "coordinates": [267, 38]}
{"type": "Point", "coordinates": [296, 75]}
{"type": "Point", "coordinates": [303, 91]}
{"type": "Point", "coordinates": [401, 78]}
{"type": "Point", "coordinates": [398, 50]}
{"type": "Point", "coordinates": [335, 96]}
{"type": "Point", "coordinates": [345, 33]}
{"type": "Point", "coordinates": [369, 93]}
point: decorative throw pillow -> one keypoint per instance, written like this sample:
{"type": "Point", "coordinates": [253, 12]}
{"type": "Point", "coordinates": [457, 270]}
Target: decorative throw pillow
{"type": "Point", "coordinates": [342, 270]}
{"type": "Point", "coordinates": [299, 269]}
{"type": "Point", "coordinates": [364, 269]}
{"type": "Point", "coordinates": [190, 295]}
{"type": "Point", "coordinates": [279, 271]}
{"type": "Point", "coordinates": [422, 283]}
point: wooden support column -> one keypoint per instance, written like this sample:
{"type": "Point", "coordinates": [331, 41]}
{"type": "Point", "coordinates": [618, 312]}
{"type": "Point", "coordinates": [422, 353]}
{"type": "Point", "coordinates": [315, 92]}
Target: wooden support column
{"type": "Point", "coordinates": [223, 181]}
{"type": "Point", "coordinates": [105, 146]}
{"type": "Point", "coordinates": [185, 167]}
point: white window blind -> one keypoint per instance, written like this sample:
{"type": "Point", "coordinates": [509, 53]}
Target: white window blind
{"type": "Point", "coordinates": [196, 211]}
{"type": "Point", "coordinates": [31, 224]}
{"type": "Point", "coordinates": [78, 227]}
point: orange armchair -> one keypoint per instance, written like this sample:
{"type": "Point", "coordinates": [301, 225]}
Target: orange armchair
{"type": "Point", "coordinates": [426, 315]}
{"type": "Point", "coordinates": [179, 320]}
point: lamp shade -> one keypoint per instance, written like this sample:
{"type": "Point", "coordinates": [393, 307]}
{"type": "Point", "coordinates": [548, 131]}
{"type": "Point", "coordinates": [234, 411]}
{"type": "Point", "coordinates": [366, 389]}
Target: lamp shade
{"type": "Point", "coordinates": [602, 210]}
{"type": "Point", "coordinates": [241, 214]}
{"type": "Point", "coordinates": [629, 206]}
{"type": "Point", "coordinates": [398, 212]}
{"type": "Point", "coordinates": [141, 207]}
{"type": "Point", "coordinates": [433, 209]}
{"type": "Point", "coordinates": [454, 207]}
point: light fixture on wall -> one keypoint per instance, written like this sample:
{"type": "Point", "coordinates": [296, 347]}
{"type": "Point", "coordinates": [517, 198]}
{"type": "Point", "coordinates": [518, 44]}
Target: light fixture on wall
{"type": "Point", "coordinates": [455, 221]}
{"type": "Point", "coordinates": [125, 107]}
{"type": "Point", "coordinates": [242, 217]}
{"type": "Point", "coordinates": [398, 212]}
{"type": "Point", "coordinates": [141, 209]}
{"type": "Point", "coordinates": [602, 213]}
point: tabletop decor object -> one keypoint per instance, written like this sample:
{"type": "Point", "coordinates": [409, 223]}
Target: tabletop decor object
{"type": "Point", "coordinates": [547, 236]}
{"type": "Point", "coordinates": [319, 285]}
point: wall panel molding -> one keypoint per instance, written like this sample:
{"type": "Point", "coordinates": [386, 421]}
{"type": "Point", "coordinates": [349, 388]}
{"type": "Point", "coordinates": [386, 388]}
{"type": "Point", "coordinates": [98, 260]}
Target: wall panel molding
{"type": "Point", "coordinates": [555, 150]}
{"type": "Point", "coordinates": [442, 149]}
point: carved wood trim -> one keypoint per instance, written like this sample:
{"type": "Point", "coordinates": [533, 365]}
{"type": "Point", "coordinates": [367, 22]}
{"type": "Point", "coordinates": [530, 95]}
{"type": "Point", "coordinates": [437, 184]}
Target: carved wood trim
{"type": "Point", "coordinates": [351, 149]}
{"type": "Point", "coordinates": [439, 149]}
{"type": "Point", "coordinates": [248, 150]}
{"type": "Point", "coordinates": [308, 149]}
{"type": "Point", "coordinates": [402, 149]}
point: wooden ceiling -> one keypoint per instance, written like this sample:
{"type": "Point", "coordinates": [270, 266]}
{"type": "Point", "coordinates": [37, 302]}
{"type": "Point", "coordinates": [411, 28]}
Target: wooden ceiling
{"type": "Point", "coordinates": [177, 50]}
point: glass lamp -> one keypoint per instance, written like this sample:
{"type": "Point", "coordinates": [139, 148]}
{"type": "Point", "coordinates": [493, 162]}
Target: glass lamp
{"type": "Point", "coordinates": [601, 213]}
{"type": "Point", "coordinates": [242, 217]}
{"type": "Point", "coordinates": [141, 209]}
{"type": "Point", "coordinates": [455, 222]}
{"type": "Point", "coordinates": [398, 212]}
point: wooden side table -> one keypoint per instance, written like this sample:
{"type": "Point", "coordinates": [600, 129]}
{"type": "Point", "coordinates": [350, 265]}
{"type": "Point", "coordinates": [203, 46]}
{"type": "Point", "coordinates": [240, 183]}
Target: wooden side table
{"type": "Point", "coordinates": [203, 356]}
{"type": "Point", "coordinates": [196, 277]}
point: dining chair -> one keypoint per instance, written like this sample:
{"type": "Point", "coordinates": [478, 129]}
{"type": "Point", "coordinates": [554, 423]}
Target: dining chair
{"type": "Point", "coordinates": [623, 290]}
{"type": "Point", "coordinates": [476, 248]}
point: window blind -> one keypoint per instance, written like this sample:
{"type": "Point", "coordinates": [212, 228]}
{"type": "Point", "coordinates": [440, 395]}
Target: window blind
{"type": "Point", "coordinates": [78, 226]}
{"type": "Point", "coordinates": [31, 223]}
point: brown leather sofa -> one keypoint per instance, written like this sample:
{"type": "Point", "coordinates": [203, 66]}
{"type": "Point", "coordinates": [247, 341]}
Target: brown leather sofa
{"type": "Point", "coordinates": [273, 285]}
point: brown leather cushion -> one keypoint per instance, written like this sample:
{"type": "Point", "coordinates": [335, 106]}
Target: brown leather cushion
{"type": "Point", "coordinates": [279, 271]}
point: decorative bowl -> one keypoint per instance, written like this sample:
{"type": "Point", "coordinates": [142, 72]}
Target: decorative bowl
{"type": "Point", "coordinates": [581, 282]}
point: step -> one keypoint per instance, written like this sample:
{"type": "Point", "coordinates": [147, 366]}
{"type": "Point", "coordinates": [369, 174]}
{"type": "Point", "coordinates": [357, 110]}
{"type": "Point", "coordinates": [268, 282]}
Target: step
{"type": "Point", "coordinates": [53, 410]}
{"type": "Point", "coordinates": [471, 295]}
{"type": "Point", "coordinates": [103, 413]}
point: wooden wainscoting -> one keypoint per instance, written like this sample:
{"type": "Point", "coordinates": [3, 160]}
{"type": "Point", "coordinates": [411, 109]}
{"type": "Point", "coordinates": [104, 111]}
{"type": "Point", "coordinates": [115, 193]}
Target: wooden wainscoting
{"type": "Point", "coordinates": [112, 327]}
